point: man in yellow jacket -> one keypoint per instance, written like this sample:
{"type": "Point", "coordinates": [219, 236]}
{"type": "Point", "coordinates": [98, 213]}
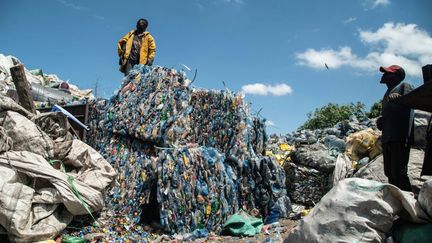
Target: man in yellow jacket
{"type": "Point", "coordinates": [136, 47]}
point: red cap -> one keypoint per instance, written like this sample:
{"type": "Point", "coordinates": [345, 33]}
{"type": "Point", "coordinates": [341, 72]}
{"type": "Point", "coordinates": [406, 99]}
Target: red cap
{"type": "Point", "coordinates": [391, 69]}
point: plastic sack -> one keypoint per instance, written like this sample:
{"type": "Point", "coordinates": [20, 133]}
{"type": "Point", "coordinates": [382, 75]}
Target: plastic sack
{"type": "Point", "coordinates": [242, 224]}
{"type": "Point", "coordinates": [421, 119]}
{"type": "Point", "coordinates": [425, 197]}
{"type": "Point", "coordinates": [72, 239]}
{"type": "Point", "coordinates": [26, 135]}
{"type": "Point", "coordinates": [374, 170]}
{"type": "Point", "coordinates": [6, 142]}
{"type": "Point", "coordinates": [357, 210]}
{"type": "Point", "coordinates": [363, 144]}
{"type": "Point", "coordinates": [343, 169]}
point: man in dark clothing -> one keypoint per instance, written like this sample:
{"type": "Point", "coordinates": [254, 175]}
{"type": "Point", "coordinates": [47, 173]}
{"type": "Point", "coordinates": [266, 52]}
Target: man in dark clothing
{"type": "Point", "coordinates": [396, 123]}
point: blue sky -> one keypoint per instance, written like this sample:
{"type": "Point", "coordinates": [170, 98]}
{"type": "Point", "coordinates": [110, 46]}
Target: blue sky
{"type": "Point", "coordinates": [275, 51]}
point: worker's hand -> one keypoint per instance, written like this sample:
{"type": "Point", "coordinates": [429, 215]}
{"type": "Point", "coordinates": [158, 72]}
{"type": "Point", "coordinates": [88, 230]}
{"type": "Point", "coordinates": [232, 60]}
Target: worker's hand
{"type": "Point", "coordinates": [150, 62]}
{"type": "Point", "coordinates": [393, 96]}
{"type": "Point", "coordinates": [121, 53]}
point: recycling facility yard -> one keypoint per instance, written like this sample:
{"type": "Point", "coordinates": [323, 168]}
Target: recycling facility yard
{"type": "Point", "coordinates": [163, 160]}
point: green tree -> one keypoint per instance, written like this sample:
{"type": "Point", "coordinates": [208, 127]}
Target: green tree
{"type": "Point", "coordinates": [330, 114]}
{"type": "Point", "coordinates": [375, 110]}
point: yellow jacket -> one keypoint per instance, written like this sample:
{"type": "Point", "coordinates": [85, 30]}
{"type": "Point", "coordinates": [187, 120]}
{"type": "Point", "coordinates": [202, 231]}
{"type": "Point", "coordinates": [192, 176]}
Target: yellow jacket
{"type": "Point", "coordinates": [148, 46]}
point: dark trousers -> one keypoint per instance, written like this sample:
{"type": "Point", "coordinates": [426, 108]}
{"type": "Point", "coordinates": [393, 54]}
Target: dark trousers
{"type": "Point", "coordinates": [396, 157]}
{"type": "Point", "coordinates": [427, 163]}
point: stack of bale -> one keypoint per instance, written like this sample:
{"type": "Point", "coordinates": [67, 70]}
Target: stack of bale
{"type": "Point", "coordinates": [192, 156]}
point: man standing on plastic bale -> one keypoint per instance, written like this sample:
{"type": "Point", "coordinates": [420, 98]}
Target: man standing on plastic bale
{"type": "Point", "coordinates": [136, 47]}
{"type": "Point", "coordinates": [396, 123]}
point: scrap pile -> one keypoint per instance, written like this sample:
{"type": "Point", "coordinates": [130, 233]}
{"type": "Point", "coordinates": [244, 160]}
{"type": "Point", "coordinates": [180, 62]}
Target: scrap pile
{"type": "Point", "coordinates": [191, 153]}
{"type": "Point", "coordinates": [46, 88]}
{"type": "Point", "coordinates": [309, 158]}
{"type": "Point", "coordinates": [46, 176]}
{"type": "Point", "coordinates": [315, 160]}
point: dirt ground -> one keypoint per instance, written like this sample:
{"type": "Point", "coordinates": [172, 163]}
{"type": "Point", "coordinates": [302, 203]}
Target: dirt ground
{"type": "Point", "coordinates": [276, 233]}
{"type": "Point", "coordinates": [269, 234]}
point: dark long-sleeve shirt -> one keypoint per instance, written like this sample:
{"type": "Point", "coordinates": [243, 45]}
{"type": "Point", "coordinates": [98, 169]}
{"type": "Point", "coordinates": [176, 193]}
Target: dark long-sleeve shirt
{"type": "Point", "coordinates": [396, 118]}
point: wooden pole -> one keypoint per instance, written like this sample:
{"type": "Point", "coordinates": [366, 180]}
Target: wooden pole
{"type": "Point", "coordinates": [22, 87]}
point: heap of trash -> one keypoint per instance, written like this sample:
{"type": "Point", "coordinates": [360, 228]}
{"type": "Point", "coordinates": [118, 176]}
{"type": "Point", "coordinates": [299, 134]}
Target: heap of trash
{"type": "Point", "coordinates": [341, 169]}
{"type": "Point", "coordinates": [169, 161]}
{"type": "Point", "coordinates": [315, 160]}
{"type": "Point", "coordinates": [187, 158]}
{"type": "Point", "coordinates": [46, 89]}
{"type": "Point", "coordinates": [309, 157]}
{"type": "Point", "coordinates": [46, 175]}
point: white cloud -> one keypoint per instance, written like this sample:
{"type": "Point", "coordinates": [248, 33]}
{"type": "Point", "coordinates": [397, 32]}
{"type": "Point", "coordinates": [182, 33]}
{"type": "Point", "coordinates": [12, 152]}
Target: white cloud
{"type": "Point", "coordinates": [402, 44]}
{"type": "Point", "coordinates": [79, 8]}
{"type": "Point", "coordinates": [318, 59]}
{"type": "Point", "coordinates": [72, 5]}
{"type": "Point", "coordinates": [405, 39]}
{"type": "Point", "coordinates": [371, 4]}
{"type": "Point", "coordinates": [234, 1]}
{"type": "Point", "coordinates": [349, 20]}
{"type": "Point", "coordinates": [377, 3]}
{"type": "Point", "coordinates": [204, 4]}
{"type": "Point", "coordinates": [262, 89]}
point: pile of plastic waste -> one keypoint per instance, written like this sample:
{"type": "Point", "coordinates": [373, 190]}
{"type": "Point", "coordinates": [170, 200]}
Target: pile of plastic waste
{"type": "Point", "coordinates": [315, 160]}
{"type": "Point", "coordinates": [187, 158]}
{"type": "Point", "coordinates": [309, 158]}
{"type": "Point", "coordinates": [46, 88]}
